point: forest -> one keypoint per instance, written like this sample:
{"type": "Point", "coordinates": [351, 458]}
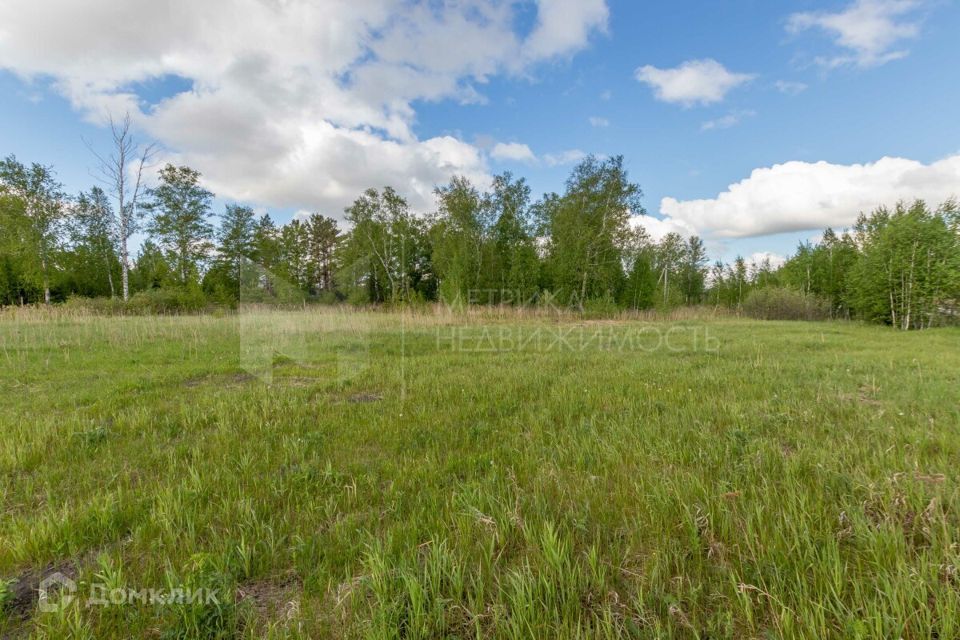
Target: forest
{"type": "Point", "coordinates": [483, 245]}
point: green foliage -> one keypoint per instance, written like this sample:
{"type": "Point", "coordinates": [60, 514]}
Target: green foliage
{"type": "Point", "coordinates": [152, 269]}
{"type": "Point", "coordinates": [899, 267]}
{"type": "Point", "coordinates": [169, 300]}
{"type": "Point", "coordinates": [823, 270]}
{"type": "Point", "coordinates": [780, 303]}
{"type": "Point", "coordinates": [578, 250]}
{"type": "Point", "coordinates": [179, 209]}
{"type": "Point", "coordinates": [589, 231]}
{"type": "Point", "coordinates": [386, 256]}
{"type": "Point", "coordinates": [201, 618]}
{"type": "Point", "coordinates": [235, 238]}
{"type": "Point", "coordinates": [166, 300]}
{"type": "Point", "coordinates": [20, 277]}
{"type": "Point", "coordinates": [908, 272]}
{"type": "Point", "coordinates": [640, 289]}
{"type": "Point", "coordinates": [6, 595]}
{"type": "Point", "coordinates": [693, 271]}
{"type": "Point", "coordinates": [34, 205]}
{"type": "Point", "coordinates": [92, 265]}
{"type": "Point", "coordinates": [323, 239]}
{"type": "Point", "coordinates": [459, 240]}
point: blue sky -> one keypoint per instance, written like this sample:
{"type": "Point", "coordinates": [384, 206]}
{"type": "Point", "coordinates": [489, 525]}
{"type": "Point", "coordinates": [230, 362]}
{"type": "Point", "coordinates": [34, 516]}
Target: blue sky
{"type": "Point", "coordinates": [697, 96]}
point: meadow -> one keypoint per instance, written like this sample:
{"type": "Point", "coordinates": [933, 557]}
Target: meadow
{"type": "Point", "coordinates": [344, 474]}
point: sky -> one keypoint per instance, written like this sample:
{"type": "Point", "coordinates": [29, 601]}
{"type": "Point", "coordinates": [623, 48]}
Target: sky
{"type": "Point", "coordinates": [752, 123]}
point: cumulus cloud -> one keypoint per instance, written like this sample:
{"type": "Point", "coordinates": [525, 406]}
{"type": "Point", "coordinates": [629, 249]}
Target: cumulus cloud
{"type": "Point", "coordinates": [732, 119]}
{"type": "Point", "coordinates": [564, 26]}
{"type": "Point", "coordinates": [597, 121]}
{"type": "Point", "coordinates": [512, 151]}
{"type": "Point", "coordinates": [869, 31]}
{"type": "Point", "coordinates": [790, 87]}
{"type": "Point", "coordinates": [797, 196]}
{"type": "Point", "coordinates": [298, 103]}
{"type": "Point", "coordinates": [693, 82]}
{"type": "Point", "coordinates": [570, 156]}
{"type": "Point", "coordinates": [657, 228]}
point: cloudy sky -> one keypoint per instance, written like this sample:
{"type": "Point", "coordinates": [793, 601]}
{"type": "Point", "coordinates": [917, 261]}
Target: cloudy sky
{"type": "Point", "coordinates": [752, 123]}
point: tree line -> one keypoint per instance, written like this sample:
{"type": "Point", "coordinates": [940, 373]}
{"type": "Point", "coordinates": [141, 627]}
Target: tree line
{"type": "Point", "coordinates": [492, 245]}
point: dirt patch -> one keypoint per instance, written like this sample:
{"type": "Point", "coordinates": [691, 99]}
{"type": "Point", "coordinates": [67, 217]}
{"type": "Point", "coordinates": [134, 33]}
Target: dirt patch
{"type": "Point", "coordinates": [272, 599]}
{"type": "Point", "coordinates": [25, 589]}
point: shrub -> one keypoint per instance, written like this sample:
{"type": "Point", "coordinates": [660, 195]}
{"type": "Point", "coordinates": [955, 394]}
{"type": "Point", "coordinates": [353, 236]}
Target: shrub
{"type": "Point", "coordinates": [98, 306]}
{"type": "Point", "coordinates": [605, 307]}
{"type": "Point", "coordinates": [167, 300]}
{"type": "Point", "coordinates": [779, 303]}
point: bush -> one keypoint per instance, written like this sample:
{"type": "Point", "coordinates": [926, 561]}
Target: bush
{"type": "Point", "coordinates": [605, 307]}
{"type": "Point", "coordinates": [152, 301]}
{"type": "Point", "coordinates": [778, 303]}
{"type": "Point", "coordinates": [167, 300]}
{"type": "Point", "coordinates": [98, 306]}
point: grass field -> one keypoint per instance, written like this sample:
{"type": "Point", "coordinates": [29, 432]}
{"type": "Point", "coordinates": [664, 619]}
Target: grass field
{"type": "Point", "coordinates": [331, 474]}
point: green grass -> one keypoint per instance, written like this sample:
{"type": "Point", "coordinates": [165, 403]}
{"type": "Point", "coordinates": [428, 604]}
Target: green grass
{"type": "Point", "coordinates": [798, 481]}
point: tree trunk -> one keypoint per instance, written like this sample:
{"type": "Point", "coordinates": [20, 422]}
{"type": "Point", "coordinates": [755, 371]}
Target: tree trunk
{"type": "Point", "coordinates": [46, 280]}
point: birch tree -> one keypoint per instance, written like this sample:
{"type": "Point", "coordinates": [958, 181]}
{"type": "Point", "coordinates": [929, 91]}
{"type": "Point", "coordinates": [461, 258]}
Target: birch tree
{"type": "Point", "coordinates": [93, 227]}
{"type": "Point", "coordinates": [122, 173]}
{"type": "Point", "coordinates": [589, 228]}
{"type": "Point", "coordinates": [44, 204]}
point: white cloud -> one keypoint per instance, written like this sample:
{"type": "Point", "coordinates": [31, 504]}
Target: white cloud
{"type": "Point", "coordinates": [298, 103]}
{"type": "Point", "coordinates": [657, 228]}
{"type": "Point", "coordinates": [868, 30]}
{"type": "Point", "coordinates": [597, 121]}
{"type": "Point", "coordinates": [570, 156]}
{"type": "Point", "coordinates": [797, 196]}
{"type": "Point", "coordinates": [693, 82]}
{"type": "Point", "coordinates": [789, 87]}
{"type": "Point", "coordinates": [564, 26]}
{"type": "Point", "coordinates": [513, 151]}
{"type": "Point", "coordinates": [725, 122]}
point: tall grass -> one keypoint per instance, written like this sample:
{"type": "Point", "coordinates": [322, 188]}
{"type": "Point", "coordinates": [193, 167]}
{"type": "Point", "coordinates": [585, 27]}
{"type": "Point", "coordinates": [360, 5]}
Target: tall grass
{"type": "Point", "coordinates": [383, 481]}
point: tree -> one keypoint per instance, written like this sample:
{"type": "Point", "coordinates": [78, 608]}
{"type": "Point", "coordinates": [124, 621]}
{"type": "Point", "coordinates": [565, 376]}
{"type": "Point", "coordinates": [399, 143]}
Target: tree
{"type": "Point", "coordinates": [385, 251]}
{"type": "Point", "coordinates": [640, 289]}
{"type": "Point", "coordinates": [459, 238]}
{"type": "Point", "coordinates": [43, 206]}
{"type": "Point", "coordinates": [515, 265]}
{"type": "Point", "coordinates": [293, 255]}
{"type": "Point", "coordinates": [323, 235]}
{"type": "Point", "coordinates": [235, 237]}
{"type": "Point", "coordinates": [738, 276]}
{"type": "Point", "coordinates": [589, 229]}
{"type": "Point", "coordinates": [122, 173]}
{"type": "Point", "coordinates": [180, 207]}
{"type": "Point", "coordinates": [669, 260]}
{"type": "Point", "coordinates": [151, 270]}
{"type": "Point", "coordinates": [909, 267]}
{"type": "Point", "coordinates": [19, 266]}
{"type": "Point", "coordinates": [693, 272]}
{"type": "Point", "coordinates": [266, 244]}
{"type": "Point", "coordinates": [92, 228]}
